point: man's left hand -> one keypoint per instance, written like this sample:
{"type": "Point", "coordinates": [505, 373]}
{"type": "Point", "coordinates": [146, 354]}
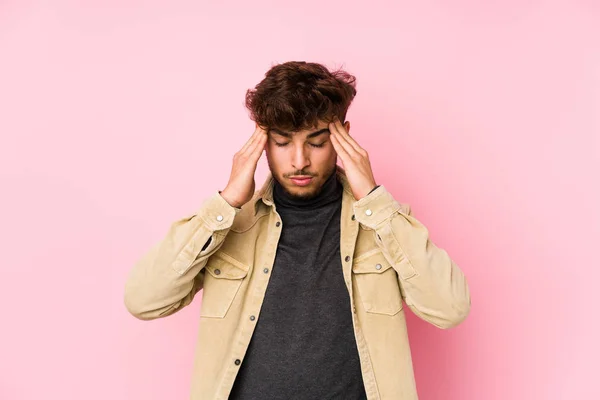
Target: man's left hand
{"type": "Point", "coordinates": [354, 158]}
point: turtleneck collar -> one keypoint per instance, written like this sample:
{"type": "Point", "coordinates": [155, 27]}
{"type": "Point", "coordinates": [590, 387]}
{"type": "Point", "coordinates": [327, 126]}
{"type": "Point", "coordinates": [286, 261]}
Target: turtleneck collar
{"type": "Point", "coordinates": [331, 191]}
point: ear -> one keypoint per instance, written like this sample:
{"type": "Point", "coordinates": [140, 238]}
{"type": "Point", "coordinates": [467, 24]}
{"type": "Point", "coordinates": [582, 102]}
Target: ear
{"type": "Point", "coordinates": [347, 126]}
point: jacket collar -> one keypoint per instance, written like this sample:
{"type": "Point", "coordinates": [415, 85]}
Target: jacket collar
{"type": "Point", "coordinates": [265, 194]}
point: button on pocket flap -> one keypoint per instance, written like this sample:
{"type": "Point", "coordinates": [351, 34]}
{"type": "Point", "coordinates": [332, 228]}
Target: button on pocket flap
{"type": "Point", "coordinates": [225, 267]}
{"type": "Point", "coordinates": [371, 262]}
{"type": "Point", "coordinates": [378, 290]}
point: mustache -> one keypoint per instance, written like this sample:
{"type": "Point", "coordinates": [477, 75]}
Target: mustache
{"type": "Point", "coordinates": [300, 173]}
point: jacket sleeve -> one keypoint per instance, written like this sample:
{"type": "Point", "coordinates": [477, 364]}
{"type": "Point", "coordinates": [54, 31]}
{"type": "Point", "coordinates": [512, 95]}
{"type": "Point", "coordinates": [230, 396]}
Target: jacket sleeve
{"type": "Point", "coordinates": [431, 283]}
{"type": "Point", "coordinates": [169, 275]}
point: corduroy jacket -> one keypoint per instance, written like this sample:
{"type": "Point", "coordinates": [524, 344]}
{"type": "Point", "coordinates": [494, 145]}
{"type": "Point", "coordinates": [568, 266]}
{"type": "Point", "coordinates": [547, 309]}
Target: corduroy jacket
{"type": "Point", "coordinates": [227, 253]}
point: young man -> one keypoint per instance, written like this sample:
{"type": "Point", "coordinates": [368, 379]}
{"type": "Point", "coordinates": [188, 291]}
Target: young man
{"type": "Point", "coordinates": [304, 280]}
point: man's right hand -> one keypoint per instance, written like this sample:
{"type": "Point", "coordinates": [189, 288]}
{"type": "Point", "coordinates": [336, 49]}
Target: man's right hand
{"type": "Point", "coordinates": [241, 185]}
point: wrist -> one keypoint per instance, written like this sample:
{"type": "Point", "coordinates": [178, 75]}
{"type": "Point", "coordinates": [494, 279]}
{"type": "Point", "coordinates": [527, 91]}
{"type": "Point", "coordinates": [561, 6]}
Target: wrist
{"type": "Point", "coordinates": [228, 199]}
{"type": "Point", "coordinates": [366, 192]}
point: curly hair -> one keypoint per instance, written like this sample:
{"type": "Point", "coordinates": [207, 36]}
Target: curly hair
{"type": "Point", "coordinates": [296, 95]}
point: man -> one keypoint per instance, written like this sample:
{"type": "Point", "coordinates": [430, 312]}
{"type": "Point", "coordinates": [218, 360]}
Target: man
{"type": "Point", "coordinates": [304, 280]}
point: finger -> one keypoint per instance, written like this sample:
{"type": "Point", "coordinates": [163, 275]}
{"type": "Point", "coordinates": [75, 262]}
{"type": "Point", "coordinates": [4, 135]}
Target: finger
{"type": "Point", "coordinates": [339, 149]}
{"type": "Point", "coordinates": [248, 143]}
{"type": "Point", "coordinates": [350, 150]}
{"type": "Point", "coordinates": [342, 130]}
{"type": "Point", "coordinates": [255, 151]}
{"type": "Point", "coordinates": [257, 132]}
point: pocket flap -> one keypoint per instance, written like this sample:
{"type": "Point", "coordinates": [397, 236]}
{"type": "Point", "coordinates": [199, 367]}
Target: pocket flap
{"type": "Point", "coordinates": [222, 266]}
{"type": "Point", "coordinates": [373, 262]}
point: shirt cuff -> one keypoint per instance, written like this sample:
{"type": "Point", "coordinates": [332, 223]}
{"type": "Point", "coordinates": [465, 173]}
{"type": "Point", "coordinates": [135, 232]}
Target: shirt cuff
{"type": "Point", "coordinates": [376, 207]}
{"type": "Point", "coordinates": [217, 213]}
{"type": "Point", "coordinates": [372, 190]}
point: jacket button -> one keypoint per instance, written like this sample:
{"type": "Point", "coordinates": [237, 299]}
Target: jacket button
{"type": "Point", "coordinates": [347, 258]}
{"type": "Point", "coordinates": [219, 218]}
{"type": "Point", "coordinates": [353, 217]}
{"type": "Point", "coordinates": [252, 318]}
{"type": "Point", "coordinates": [217, 272]}
{"type": "Point", "coordinates": [378, 266]}
{"type": "Point", "coordinates": [369, 212]}
{"type": "Point", "coordinates": [278, 224]}
{"type": "Point", "coordinates": [266, 270]}
{"type": "Point", "coordinates": [237, 362]}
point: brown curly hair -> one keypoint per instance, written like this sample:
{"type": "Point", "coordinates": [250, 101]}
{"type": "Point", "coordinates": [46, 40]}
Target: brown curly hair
{"type": "Point", "coordinates": [296, 95]}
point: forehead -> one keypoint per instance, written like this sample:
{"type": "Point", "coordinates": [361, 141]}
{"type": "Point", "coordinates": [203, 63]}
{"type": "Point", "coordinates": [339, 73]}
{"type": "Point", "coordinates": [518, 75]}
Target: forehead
{"type": "Point", "coordinates": [303, 132]}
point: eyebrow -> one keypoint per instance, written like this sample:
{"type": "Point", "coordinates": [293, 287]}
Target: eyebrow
{"type": "Point", "coordinates": [310, 135]}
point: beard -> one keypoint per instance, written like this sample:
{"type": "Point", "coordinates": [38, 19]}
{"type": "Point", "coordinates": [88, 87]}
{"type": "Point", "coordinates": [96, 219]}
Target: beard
{"type": "Point", "coordinates": [308, 195]}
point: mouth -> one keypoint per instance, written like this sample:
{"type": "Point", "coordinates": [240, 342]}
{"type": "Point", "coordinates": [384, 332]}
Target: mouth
{"type": "Point", "coordinates": [301, 180]}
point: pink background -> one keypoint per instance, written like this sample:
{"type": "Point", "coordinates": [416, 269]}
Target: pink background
{"type": "Point", "coordinates": [118, 118]}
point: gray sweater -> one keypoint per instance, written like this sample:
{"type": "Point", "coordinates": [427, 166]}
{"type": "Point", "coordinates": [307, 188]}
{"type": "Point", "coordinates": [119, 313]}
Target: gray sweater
{"type": "Point", "coordinates": [303, 346]}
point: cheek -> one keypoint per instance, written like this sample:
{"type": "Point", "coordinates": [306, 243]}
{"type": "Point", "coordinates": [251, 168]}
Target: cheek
{"type": "Point", "coordinates": [274, 156]}
{"type": "Point", "coordinates": [328, 154]}
{"type": "Point", "coordinates": [272, 151]}
{"type": "Point", "coordinates": [323, 159]}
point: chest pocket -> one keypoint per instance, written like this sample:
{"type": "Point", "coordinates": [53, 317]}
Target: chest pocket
{"type": "Point", "coordinates": [377, 283]}
{"type": "Point", "coordinates": [222, 281]}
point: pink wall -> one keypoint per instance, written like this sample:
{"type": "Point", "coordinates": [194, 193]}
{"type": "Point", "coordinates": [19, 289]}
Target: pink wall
{"type": "Point", "coordinates": [120, 117]}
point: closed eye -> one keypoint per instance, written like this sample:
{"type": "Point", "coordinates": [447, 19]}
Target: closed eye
{"type": "Point", "coordinates": [312, 144]}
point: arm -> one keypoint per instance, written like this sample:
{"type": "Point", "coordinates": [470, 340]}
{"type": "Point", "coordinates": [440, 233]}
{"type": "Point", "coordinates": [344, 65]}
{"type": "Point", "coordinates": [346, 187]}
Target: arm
{"type": "Point", "coordinates": [169, 275]}
{"type": "Point", "coordinates": [432, 285]}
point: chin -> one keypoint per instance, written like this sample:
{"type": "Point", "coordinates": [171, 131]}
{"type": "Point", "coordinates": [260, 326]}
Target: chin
{"type": "Point", "coordinates": [304, 193]}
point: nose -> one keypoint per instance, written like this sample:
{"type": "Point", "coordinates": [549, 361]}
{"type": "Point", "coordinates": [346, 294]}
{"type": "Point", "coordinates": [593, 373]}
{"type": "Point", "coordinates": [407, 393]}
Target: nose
{"type": "Point", "coordinates": [300, 158]}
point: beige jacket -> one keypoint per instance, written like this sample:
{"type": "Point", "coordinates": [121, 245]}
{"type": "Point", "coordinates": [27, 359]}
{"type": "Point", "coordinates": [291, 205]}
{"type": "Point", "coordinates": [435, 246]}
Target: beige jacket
{"type": "Point", "coordinates": [387, 258]}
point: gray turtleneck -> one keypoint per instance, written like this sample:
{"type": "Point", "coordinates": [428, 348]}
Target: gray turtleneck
{"type": "Point", "coordinates": [303, 346]}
